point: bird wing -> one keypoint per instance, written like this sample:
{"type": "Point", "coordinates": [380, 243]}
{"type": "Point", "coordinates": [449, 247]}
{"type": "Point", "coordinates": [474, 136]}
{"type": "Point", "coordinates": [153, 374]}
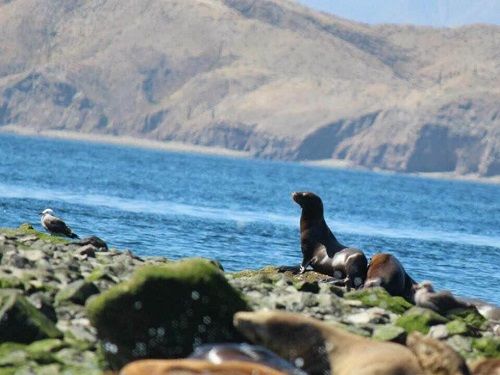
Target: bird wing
{"type": "Point", "coordinates": [56, 225]}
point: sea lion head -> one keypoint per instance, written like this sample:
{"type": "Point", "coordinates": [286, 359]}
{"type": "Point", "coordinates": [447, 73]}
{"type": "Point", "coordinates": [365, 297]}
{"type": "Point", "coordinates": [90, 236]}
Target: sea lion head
{"type": "Point", "coordinates": [293, 337]}
{"type": "Point", "coordinates": [425, 286]}
{"type": "Point", "coordinates": [310, 203]}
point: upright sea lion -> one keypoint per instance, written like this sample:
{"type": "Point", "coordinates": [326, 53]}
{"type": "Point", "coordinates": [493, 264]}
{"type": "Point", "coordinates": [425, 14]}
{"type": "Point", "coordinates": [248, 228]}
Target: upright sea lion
{"type": "Point", "coordinates": [320, 248]}
{"type": "Point", "coordinates": [386, 271]}
{"type": "Point", "coordinates": [323, 348]}
{"type": "Point", "coordinates": [441, 302]}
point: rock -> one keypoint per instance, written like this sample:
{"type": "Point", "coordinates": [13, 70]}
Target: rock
{"type": "Point", "coordinates": [21, 322]}
{"type": "Point", "coordinates": [419, 319]}
{"type": "Point", "coordinates": [389, 332]}
{"type": "Point", "coordinates": [458, 327]}
{"type": "Point", "coordinates": [470, 316]}
{"type": "Point", "coordinates": [87, 250]}
{"type": "Point", "coordinates": [94, 241]}
{"type": "Point", "coordinates": [380, 298]}
{"type": "Point", "coordinates": [374, 315]}
{"type": "Point", "coordinates": [306, 286]}
{"type": "Point", "coordinates": [435, 357]}
{"type": "Point", "coordinates": [487, 346]}
{"type": "Point", "coordinates": [164, 311]}
{"type": "Point", "coordinates": [439, 332]}
{"type": "Point", "coordinates": [77, 292]}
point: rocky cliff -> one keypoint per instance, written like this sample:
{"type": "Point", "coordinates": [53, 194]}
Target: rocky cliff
{"type": "Point", "coordinates": [270, 77]}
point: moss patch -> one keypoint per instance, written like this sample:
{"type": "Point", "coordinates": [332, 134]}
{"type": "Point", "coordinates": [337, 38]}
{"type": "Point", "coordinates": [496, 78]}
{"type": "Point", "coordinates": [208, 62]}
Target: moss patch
{"type": "Point", "coordinates": [378, 297]}
{"type": "Point", "coordinates": [487, 346]}
{"type": "Point", "coordinates": [419, 319]}
{"type": "Point", "coordinates": [164, 311]}
{"type": "Point", "coordinates": [27, 228]}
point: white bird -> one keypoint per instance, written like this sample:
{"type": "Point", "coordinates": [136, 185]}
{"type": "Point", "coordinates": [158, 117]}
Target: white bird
{"type": "Point", "coordinates": [54, 225]}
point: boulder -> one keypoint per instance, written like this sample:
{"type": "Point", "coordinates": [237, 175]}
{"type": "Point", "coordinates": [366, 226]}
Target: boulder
{"type": "Point", "coordinates": [21, 322]}
{"type": "Point", "coordinates": [378, 297]}
{"type": "Point", "coordinates": [164, 311]}
{"type": "Point", "coordinates": [420, 319]}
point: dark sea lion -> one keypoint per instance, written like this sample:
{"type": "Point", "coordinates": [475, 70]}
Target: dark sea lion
{"type": "Point", "coordinates": [441, 302]}
{"type": "Point", "coordinates": [218, 353]}
{"type": "Point", "coordinates": [195, 367]}
{"type": "Point", "coordinates": [323, 348]}
{"type": "Point", "coordinates": [386, 271]}
{"type": "Point", "coordinates": [320, 248]}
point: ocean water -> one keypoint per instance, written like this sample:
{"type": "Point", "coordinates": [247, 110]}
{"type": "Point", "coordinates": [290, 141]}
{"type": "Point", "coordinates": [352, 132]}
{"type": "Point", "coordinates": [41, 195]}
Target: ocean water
{"type": "Point", "coordinates": [240, 211]}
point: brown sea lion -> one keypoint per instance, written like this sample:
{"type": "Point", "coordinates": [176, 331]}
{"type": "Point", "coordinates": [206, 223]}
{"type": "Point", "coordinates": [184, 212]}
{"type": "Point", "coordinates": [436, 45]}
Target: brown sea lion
{"type": "Point", "coordinates": [320, 248]}
{"type": "Point", "coordinates": [323, 348]}
{"type": "Point", "coordinates": [441, 302]}
{"type": "Point", "coordinates": [219, 353]}
{"type": "Point", "coordinates": [486, 366]}
{"type": "Point", "coordinates": [386, 271]}
{"type": "Point", "coordinates": [196, 367]}
{"type": "Point", "coordinates": [436, 357]}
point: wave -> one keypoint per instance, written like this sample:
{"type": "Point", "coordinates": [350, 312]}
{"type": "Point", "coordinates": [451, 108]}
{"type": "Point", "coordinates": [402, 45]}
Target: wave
{"type": "Point", "coordinates": [241, 217]}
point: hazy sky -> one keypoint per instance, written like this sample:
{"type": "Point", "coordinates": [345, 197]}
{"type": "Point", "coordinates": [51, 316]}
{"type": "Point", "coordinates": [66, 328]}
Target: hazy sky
{"type": "Point", "coordinates": [421, 12]}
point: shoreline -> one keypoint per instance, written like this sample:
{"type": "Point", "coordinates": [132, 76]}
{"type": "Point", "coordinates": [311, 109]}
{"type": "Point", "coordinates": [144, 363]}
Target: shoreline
{"type": "Point", "coordinates": [172, 146]}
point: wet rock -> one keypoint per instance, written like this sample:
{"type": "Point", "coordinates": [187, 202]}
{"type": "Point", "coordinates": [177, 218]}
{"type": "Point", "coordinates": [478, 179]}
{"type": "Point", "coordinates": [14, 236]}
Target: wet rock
{"type": "Point", "coordinates": [21, 322]}
{"type": "Point", "coordinates": [419, 319]}
{"type": "Point", "coordinates": [164, 311]}
{"type": "Point", "coordinates": [87, 250]}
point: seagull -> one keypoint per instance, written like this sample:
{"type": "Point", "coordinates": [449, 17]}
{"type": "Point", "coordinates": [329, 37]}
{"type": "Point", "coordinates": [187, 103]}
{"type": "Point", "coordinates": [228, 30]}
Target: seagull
{"type": "Point", "coordinates": [54, 225]}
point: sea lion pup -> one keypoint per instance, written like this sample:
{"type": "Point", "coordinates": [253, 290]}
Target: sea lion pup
{"type": "Point", "coordinates": [441, 302]}
{"type": "Point", "coordinates": [386, 271]}
{"type": "Point", "coordinates": [320, 248]}
{"type": "Point", "coordinates": [323, 348]}
{"type": "Point", "coordinates": [195, 367]}
{"type": "Point", "coordinates": [54, 225]}
{"type": "Point", "coordinates": [436, 357]}
{"type": "Point", "coordinates": [218, 353]}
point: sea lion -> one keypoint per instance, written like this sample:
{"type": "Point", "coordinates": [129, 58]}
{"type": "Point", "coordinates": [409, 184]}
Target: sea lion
{"type": "Point", "coordinates": [441, 302]}
{"type": "Point", "coordinates": [486, 366]}
{"type": "Point", "coordinates": [436, 357]}
{"type": "Point", "coordinates": [320, 248]}
{"type": "Point", "coordinates": [219, 353]}
{"type": "Point", "coordinates": [54, 225]}
{"type": "Point", "coordinates": [195, 367]}
{"type": "Point", "coordinates": [386, 271]}
{"type": "Point", "coordinates": [323, 348]}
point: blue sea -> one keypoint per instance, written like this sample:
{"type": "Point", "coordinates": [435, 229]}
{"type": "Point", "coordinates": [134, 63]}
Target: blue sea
{"type": "Point", "coordinates": [240, 212]}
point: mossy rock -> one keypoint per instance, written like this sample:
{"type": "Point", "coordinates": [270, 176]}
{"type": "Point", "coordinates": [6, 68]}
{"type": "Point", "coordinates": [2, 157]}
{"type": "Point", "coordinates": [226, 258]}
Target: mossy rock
{"type": "Point", "coordinates": [469, 316]}
{"type": "Point", "coordinates": [487, 346]}
{"type": "Point", "coordinates": [389, 332]}
{"type": "Point", "coordinates": [27, 228]}
{"type": "Point", "coordinates": [20, 321]}
{"type": "Point", "coordinates": [12, 354]}
{"type": "Point", "coordinates": [378, 297]}
{"type": "Point", "coordinates": [164, 311]}
{"type": "Point", "coordinates": [77, 292]}
{"type": "Point", "coordinates": [419, 319]}
{"type": "Point", "coordinates": [11, 283]}
{"type": "Point", "coordinates": [42, 351]}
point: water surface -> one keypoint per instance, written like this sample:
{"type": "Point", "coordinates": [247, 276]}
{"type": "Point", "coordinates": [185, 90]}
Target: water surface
{"type": "Point", "coordinates": [240, 212]}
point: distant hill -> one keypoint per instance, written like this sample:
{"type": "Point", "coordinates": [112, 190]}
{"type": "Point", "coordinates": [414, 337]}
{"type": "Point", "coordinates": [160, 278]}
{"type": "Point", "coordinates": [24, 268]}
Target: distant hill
{"type": "Point", "coordinates": [270, 77]}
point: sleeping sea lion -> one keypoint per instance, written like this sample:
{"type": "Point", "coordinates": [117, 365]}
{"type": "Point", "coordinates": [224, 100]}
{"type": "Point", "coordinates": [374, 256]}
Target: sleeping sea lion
{"type": "Point", "coordinates": [386, 271]}
{"type": "Point", "coordinates": [441, 302]}
{"type": "Point", "coordinates": [321, 348]}
{"type": "Point", "coordinates": [320, 248]}
{"type": "Point", "coordinates": [195, 367]}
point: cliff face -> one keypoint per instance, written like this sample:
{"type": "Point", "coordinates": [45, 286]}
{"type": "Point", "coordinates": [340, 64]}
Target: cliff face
{"type": "Point", "coordinates": [270, 77]}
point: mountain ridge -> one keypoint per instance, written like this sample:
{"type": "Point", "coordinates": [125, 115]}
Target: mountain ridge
{"type": "Point", "coordinates": [271, 78]}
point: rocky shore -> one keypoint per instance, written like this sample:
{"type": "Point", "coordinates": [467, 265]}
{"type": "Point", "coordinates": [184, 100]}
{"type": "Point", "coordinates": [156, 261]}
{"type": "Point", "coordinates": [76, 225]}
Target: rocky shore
{"type": "Point", "coordinates": [72, 309]}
